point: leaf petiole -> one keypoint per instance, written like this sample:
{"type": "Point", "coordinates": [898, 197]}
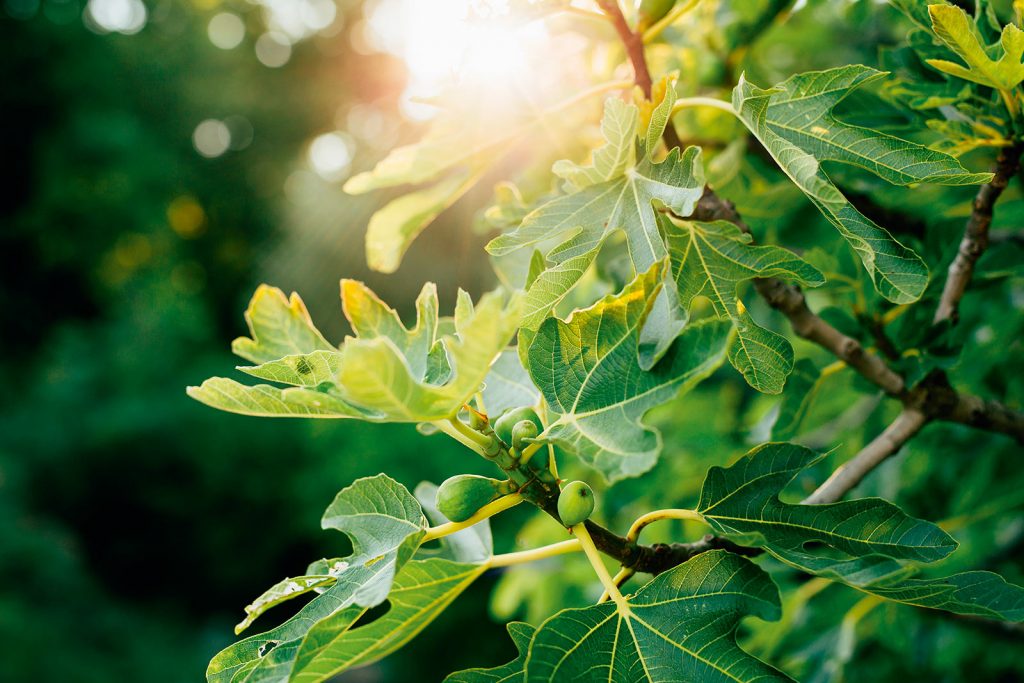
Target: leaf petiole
{"type": "Point", "coordinates": [602, 572]}
{"type": "Point", "coordinates": [489, 510]}
{"type": "Point", "coordinates": [553, 550]}
{"type": "Point", "coordinates": [622, 576]}
{"type": "Point", "coordinates": [658, 515]}
{"type": "Point", "coordinates": [689, 102]}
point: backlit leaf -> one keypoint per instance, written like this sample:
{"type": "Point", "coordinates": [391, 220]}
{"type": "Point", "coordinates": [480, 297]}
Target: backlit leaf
{"type": "Point", "coordinates": [617, 192]}
{"type": "Point", "coordinates": [588, 370]}
{"type": "Point", "coordinates": [280, 326]}
{"type": "Point", "coordinates": [382, 377]}
{"type": "Point", "coordinates": [394, 227]}
{"type": "Point", "coordinates": [952, 25]}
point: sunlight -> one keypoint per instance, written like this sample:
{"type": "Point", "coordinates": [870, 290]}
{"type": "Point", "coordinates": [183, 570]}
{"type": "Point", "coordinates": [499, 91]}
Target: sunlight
{"type": "Point", "coordinates": [465, 43]}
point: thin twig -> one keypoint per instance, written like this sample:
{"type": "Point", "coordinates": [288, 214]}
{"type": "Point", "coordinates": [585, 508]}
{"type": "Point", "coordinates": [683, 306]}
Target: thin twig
{"type": "Point", "coordinates": [975, 239]}
{"type": "Point", "coordinates": [632, 41]}
{"type": "Point", "coordinates": [790, 301]}
{"type": "Point", "coordinates": [882, 447]}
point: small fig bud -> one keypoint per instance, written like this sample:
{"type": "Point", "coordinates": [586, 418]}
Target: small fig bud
{"type": "Point", "coordinates": [459, 497]}
{"type": "Point", "coordinates": [575, 503]}
{"type": "Point", "coordinates": [523, 430]}
{"type": "Point", "coordinates": [504, 424]}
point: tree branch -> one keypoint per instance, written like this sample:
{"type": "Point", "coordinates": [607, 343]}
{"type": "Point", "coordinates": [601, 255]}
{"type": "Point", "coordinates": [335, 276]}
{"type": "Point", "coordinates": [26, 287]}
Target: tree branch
{"type": "Point", "coordinates": [886, 444]}
{"type": "Point", "coordinates": [975, 239]}
{"type": "Point", "coordinates": [632, 41]}
{"type": "Point", "coordinates": [790, 301]}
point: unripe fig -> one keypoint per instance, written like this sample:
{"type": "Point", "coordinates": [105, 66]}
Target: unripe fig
{"type": "Point", "coordinates": [504, 425]}
{"type": "Point", "coordinates": [575, 503]}
{"type": "Point", "coordinates": [523, 430]}
{"type": "Point", "coordinates": [652, 11]}
{"type": "Point", "coordinates": [459, 497]}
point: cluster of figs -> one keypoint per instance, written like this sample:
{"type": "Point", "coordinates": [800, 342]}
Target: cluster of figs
{"type": "Point", "coordinates": [460, 497]}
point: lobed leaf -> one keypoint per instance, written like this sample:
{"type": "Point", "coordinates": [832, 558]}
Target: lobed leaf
{"type": "Point", "coordinates": [401, 383]}
{"type": "Point", "coordinates": [679, 627]}
{"type": "Point", "coordinates": [603, 203]}
{"type": "Point", "coordinates": [742, 501]}
{"type": "Point", "coordinates": [280, 326]}
{"type": "Point", "coordinates": [385, 524]}
{"type": "Point", "coordinates": [589, 373]}
{"type": "Point", "coordinates": [386, 372]}
{"type": "Point", "coordinates": [954, 28]}
{"type": "Point", "coordinates": [711, 260]}
{"type": "Point", "coordinates": [795, 124]}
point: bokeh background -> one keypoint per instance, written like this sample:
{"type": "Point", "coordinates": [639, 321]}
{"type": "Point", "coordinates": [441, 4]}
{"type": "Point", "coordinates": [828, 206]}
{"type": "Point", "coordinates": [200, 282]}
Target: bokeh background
{"type": "Point", "coordinates": [166, 156]}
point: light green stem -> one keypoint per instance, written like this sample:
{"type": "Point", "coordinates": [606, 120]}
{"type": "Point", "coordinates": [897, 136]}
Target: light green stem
{"type": "Point", "coordinates": [553, 550]}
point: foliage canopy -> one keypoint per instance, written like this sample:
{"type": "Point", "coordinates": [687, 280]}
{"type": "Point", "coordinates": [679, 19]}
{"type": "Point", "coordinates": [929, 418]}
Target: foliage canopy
{"type": "Point", "coordinates": [626, 273]}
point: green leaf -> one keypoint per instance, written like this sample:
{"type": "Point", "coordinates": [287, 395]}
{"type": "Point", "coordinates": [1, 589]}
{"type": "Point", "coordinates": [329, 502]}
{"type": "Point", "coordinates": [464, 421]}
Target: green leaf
{"type": "Point", "coordinates": [385, 525]}
{"type": "Point", "coordinates": [588, 370]}
{"type": "Point", "coordinates": [302, 370]}
{"type": "Point", "coordinates": [663, 98]}
{"type": "Point", "coordinates": [952, 25]}
{"type": "Point", "coordinates": [508, 386]}
{"type": "Point", "coordinates": [280, 326]}
{"type": "Point", "coordinates": [795, 124]}
{"type": "Point", "coordinates": [619, 128]}
{"type": "Point", "coordinates": [422, 591]}
{"type": "Point", "coordinates": [679, 627]}
{"type": "Point", "coordinates": [801, 112]}
{"type": "Point", "coordinates": [394, 227]}
{"type": "Point", "coordinates": [263, 400]}
{"type": "Point", "coordinates": [448, 145]}
{"type": "Point", "coordinates": [977, 593]}
{"type": "Point", "coordinates": [283, 590]}
{"type": "Point", "coordinates": [388, 370]}
{"type": "Point", "coordinates": [513, 671]}
{"type": "Point", "coordinates": [711, 260]}
{"type": "Point", "coordinates": [616, 193]}
{"type": "Point", "coordinates": [742, 501]}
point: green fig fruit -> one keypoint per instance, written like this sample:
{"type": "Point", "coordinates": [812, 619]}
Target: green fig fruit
{"type": "Point", "coordinates": [504, 425]}
{"type": "Point", "coordinates": [653, 11]}
{"type": "Point", "coordinates": [575, 503]}
{"type": "Point", "coordinates": [459, 497]}
{"type": "Point", "coordinates": [523, 430]}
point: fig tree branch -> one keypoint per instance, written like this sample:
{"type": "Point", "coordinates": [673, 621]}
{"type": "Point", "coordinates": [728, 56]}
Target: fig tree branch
{"type": "Point", "coordinates": [632, 41]}
{"type": "Point", "coordinates": [886, 444]}
{"type": "Point", "coordinates": [976, 235]}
